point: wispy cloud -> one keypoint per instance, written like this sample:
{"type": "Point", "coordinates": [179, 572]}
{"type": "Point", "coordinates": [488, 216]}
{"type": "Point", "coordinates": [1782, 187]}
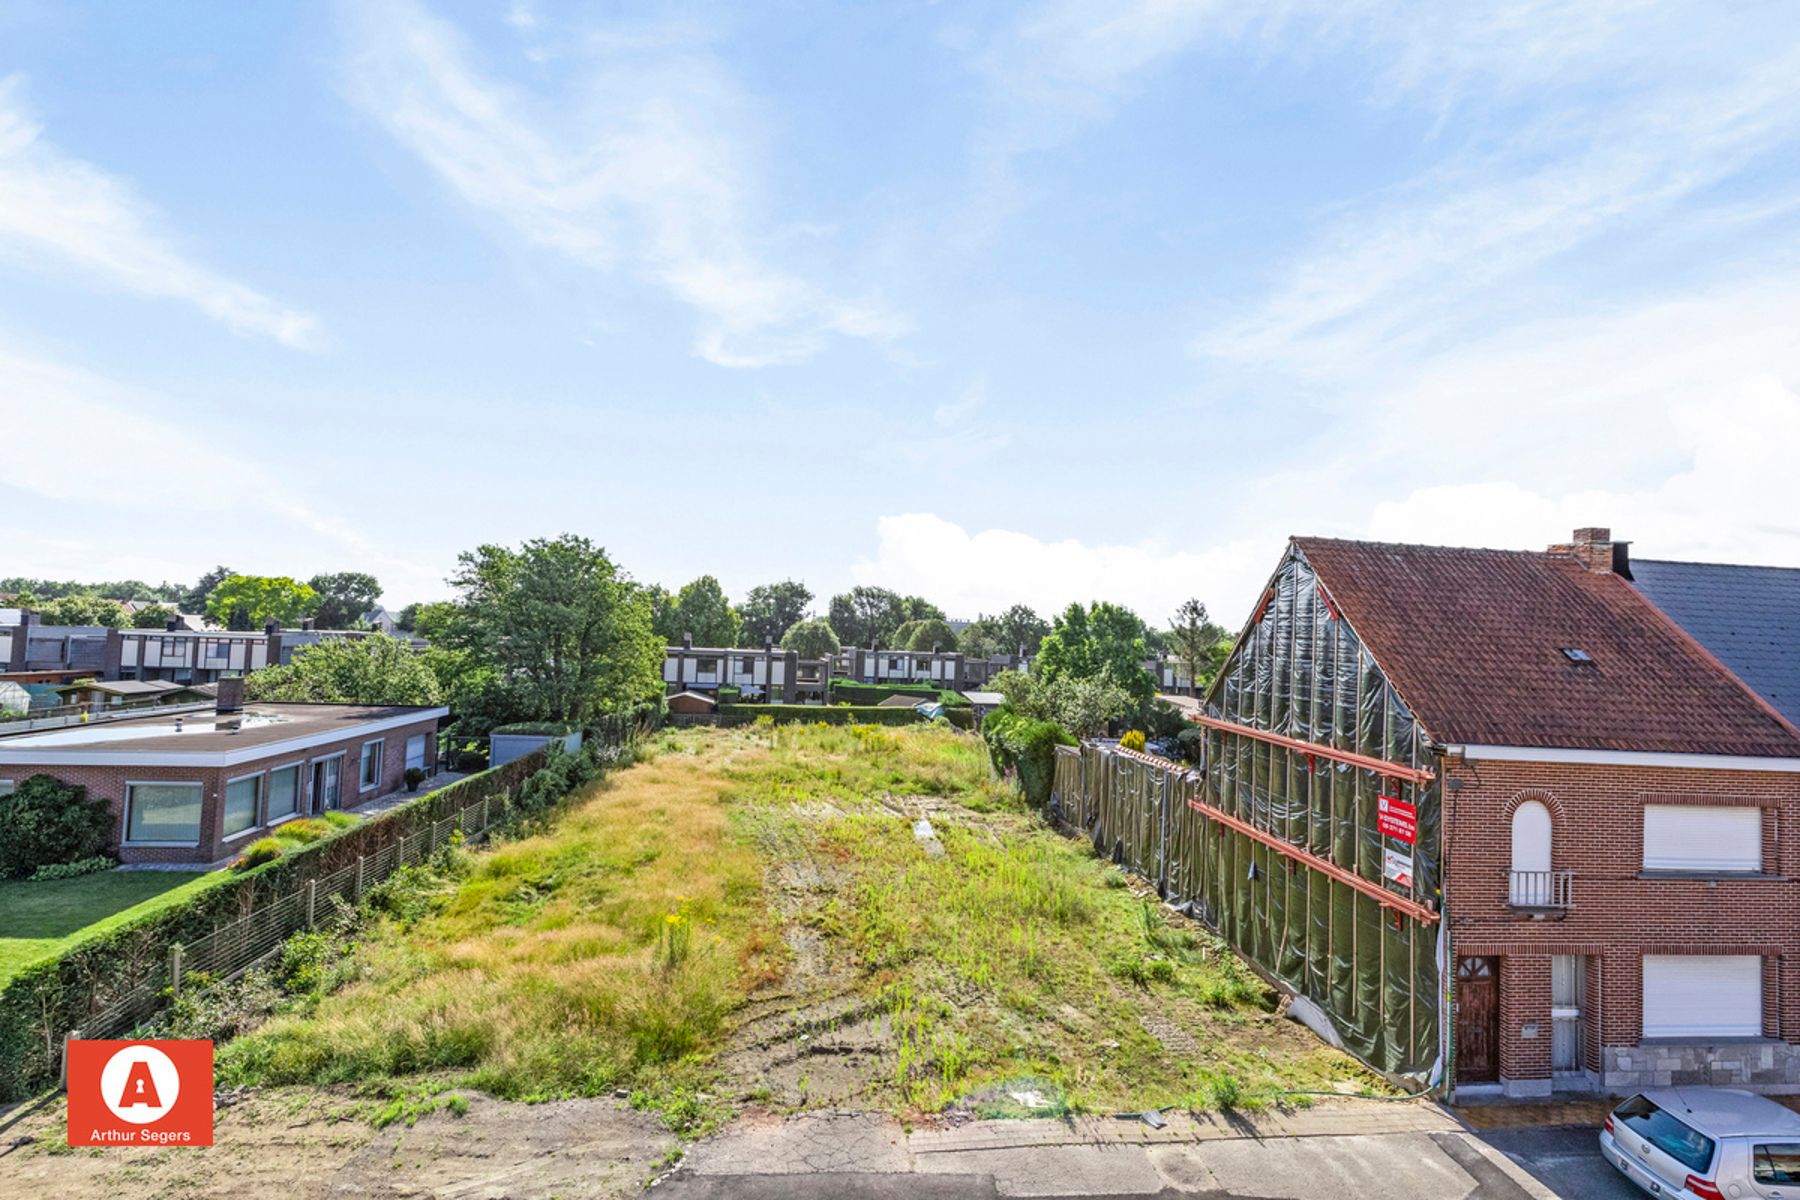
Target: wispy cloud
{"type": "Point", "coordinates": [61, 212]}
{"type": "Point", "coordinates": [644, 168]}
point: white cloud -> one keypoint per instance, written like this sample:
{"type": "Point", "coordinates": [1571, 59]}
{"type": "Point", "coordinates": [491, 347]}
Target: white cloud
{"type": "Point", "coordinates": [645, 169]}
{"type": "Point", "coordinates": [986, 571]}
{"type": "Point", "coordinates": [62, 212]}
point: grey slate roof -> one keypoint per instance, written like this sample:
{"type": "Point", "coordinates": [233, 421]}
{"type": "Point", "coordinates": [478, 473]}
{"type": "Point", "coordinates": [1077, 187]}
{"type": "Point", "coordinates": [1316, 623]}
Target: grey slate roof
{"type": "Point", "coordinates": [1748, 617]}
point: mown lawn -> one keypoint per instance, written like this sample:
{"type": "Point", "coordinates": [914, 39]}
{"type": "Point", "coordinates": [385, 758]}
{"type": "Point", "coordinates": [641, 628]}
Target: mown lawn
{"type": "Point", "coordinates": [39, 920]}
{"type": "Point", "coordinates": [636, 943]}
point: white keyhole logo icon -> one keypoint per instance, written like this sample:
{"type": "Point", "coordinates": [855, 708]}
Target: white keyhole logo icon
{"type": "Point", "coordinates": [139, 1084]}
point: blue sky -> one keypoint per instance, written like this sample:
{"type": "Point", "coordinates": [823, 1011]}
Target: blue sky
{"type": "Point", "coordinates": [989, 303]}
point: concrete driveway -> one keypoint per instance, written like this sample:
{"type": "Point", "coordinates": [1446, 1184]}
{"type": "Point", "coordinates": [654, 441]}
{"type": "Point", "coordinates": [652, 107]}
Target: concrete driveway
{"type": "Point", "coordinates": [1565, 1160]}
{"type": "Point", "coordinates": [1366, 1150]}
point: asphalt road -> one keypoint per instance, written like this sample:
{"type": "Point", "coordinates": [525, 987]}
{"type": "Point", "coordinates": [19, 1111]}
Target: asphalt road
{"type": "Point", "coordinates": [1567, 1161]}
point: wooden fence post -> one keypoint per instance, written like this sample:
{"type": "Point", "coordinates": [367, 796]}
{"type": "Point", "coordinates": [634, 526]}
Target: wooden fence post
{"type": "Point", "coordinates": [175, 953]}
{"type": "Point", "coordinates": [359, 878]}
{"type": "Point", "coordinates": [312, 897]}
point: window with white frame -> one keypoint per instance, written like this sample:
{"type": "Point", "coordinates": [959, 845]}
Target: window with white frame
{"type": "Point", "coordinates": [242, 798]}
{"type": "Point", "coordinates": [284, 791]}
{"type": "Point", "coordinates": [415, 752]}
{"type": "Point", "coordinates": [706, 666]}
{"type": "Point", "coordinates": [165, 813]}
{"type": "Point", "coordinates": [371, 763]}
{"type": "Point", "coordinates": [1702, 838]}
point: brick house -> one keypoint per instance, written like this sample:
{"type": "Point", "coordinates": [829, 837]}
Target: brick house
{"type": "Point", "coordinates": [1543, 793]}
{"type": "Point", "coordinates": [197, 784]}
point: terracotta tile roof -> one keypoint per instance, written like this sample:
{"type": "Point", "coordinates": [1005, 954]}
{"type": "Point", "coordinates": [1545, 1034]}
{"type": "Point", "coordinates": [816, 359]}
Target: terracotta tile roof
{"type": "Point", "coordinates": [1474, 640]}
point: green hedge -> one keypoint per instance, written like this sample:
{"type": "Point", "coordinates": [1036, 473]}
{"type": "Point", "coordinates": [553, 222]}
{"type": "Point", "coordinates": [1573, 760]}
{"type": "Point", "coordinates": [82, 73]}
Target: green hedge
{"type": "Point", "coordinates": [1017, 743]}
{"type": "Point", "coordinates": [841, 714]}
{"type": "Point", "coordinates": [874, 693]}
{"type": "Point", "coordinates": [537, 728]}
{"type": "Point", "coordinates": [44, 1001]}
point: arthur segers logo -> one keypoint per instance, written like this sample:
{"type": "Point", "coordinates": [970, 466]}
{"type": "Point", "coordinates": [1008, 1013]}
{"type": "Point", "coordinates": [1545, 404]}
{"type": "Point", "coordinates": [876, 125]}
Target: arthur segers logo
{"type": "Point", "coordinates": [140, 1093]}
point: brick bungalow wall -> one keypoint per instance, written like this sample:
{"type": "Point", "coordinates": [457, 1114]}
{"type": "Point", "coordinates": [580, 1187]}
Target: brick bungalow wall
{"type": "Point", "coordinates": [108, 783]}
{"type": "Point", "coordinates": [1597, 831]}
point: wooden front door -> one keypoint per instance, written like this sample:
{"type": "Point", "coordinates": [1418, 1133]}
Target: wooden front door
{"type": "Point", "coordinates": [1477, 1020]}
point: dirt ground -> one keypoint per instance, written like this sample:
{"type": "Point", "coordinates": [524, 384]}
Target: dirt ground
{"type": "Point", "coordinates": [304, 1144]}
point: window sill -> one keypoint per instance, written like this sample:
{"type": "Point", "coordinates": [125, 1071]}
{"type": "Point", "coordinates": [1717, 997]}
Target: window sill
{"type": "Point", "coordinates": [229, 838]}
{"type": "Point", "coordinates": [1733, 876]}
{"type": "Point", "coordinates": [129, 845]}
{"type": "Point", "coordinates": [283, 819]}
{"type": "Point", "coordinates": [1723, 1040]}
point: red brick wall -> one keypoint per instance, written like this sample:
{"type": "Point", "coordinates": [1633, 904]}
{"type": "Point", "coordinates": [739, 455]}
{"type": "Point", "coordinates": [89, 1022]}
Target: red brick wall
{"type": "Point", "coordinates": [108, 783]}
{"type": "Point", "coordinates": [1617, 917]}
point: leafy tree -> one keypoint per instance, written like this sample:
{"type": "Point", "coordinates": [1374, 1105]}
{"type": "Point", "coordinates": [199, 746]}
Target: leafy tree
{"type": "Point", "coordinates": [980, 638]}
{"type": "Point", "coordinates": [153, 616]}
{"type": "Point", "coordinates": [898, 639]}
{"type": "Point", "coordinates": [1082, 705]}
{"type": "Point", "coordinates": [372, 670]}
{"type": "Point", "coordinates": [557, 620]}
{"type": "Point", "coordinates": [917, 608]}
{"type": "Point", "coordinates": [195, 598]}
{"type": "Point", "coordinates": [250, 601]}
{"type": "Point", "coordinates": [435, 621]}
{"type": "Point", "coordinates": [1020, 626]}
{"type": "Point", "coordinates": [771, 609]}
{"type": "Point", "coordinates": [931, 632]}
{"type": "Point", "coordinates": [665, 617]}
{"type": "Point", "coordinates": [1199, 645]}
{"type": "Point", "coordinates": [1099, 641]}
{"type": "Point", "coordinates": [83, 608]}
{"type": "Point", "coordinates": [814, 638]}
{"type": "Point", "coordinates": [48, 821]}
{"type": "Point", "coordinates": [866, 615]}
{"type": "Point", "coordinates": [702, 610]}
{"type": "Point", "coordinates": [344, 598]}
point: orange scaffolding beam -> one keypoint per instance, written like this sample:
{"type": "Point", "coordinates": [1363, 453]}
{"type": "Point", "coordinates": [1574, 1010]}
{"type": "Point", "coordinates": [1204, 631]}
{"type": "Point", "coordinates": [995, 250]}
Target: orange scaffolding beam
{"type": "Point", "coordinates": [1380, 766]}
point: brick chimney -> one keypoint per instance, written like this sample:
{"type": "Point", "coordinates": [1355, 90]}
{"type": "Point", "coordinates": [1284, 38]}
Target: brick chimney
{"type": "Point", "coordinates": [687, 641]}
{"type": "Point", "coordinates": [231, 695]}
{"type": "Point", "coordinates": [1593, 547]}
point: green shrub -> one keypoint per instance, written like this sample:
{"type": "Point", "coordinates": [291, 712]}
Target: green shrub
{"type": "Point", "coordinates": [306, 830]}
{"type": "Point", "coordinates": [553, 729]}
{"type": "Point", "coordinates": [47, 821]}
{"type": "Point", "coordinates": [340, 820]}
{"type": "Point", "coordinates": [1020, 744]}
{"type": "Point", "coordinates": [1133, 740]}
{"type": "Point", "coordinates": [257, 853]}
{"type": "Point", "coordinates": [81, 866]}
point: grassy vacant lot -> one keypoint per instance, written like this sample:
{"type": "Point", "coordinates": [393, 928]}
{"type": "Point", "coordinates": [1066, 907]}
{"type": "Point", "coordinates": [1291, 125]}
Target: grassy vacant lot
{"type": "Point", "coordinates": [38, 920]}
{"type": "Point", "coordinates": [754, 916]}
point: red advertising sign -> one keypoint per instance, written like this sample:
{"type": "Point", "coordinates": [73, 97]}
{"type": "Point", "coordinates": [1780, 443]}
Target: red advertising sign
{"type": "Point", "coordinates": [1398, 819]}
{"type": "Point", "coordinates": [140, 1093]}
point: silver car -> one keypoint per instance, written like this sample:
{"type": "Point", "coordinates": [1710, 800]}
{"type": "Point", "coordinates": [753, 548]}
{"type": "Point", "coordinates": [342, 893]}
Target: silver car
{"type": "Point", "coordinates": [1705, 1143]}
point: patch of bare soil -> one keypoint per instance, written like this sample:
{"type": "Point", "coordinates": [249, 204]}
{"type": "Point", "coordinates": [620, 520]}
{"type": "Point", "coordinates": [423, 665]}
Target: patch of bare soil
{"type": "Point", "coordinates": [306, 1144]}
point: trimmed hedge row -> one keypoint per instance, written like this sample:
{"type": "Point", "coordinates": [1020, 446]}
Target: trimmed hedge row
{"type": "Point", "coordinates": [875, 693]}
{"type": "Point", "coordinates": [841, 714]}
{"type": "Point", "coordinates": [46, 1000]}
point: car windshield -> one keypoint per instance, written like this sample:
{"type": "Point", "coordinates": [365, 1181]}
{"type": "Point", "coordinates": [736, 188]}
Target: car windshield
{"type": "Point", "coordinates": [1680, 1141]}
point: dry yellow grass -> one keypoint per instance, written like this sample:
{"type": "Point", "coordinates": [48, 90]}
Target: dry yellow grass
{"type": "Point", "coordinates": [563, 963]}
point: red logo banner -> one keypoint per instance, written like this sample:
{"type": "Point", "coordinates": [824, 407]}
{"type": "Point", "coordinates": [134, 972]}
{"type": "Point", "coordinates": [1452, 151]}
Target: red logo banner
{"type": "Point", "coordinates": [124, 1093]}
